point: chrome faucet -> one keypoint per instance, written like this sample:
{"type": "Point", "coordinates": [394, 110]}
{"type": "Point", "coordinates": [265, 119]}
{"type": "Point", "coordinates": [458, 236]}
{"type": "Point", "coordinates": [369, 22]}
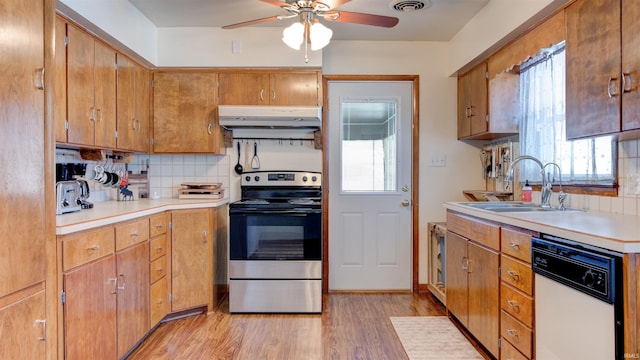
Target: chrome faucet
{"type": "Point", "coordinates": [547, 186]}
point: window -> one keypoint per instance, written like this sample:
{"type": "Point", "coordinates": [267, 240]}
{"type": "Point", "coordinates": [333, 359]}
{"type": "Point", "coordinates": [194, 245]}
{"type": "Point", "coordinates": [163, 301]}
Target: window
{"type": "Point", "coordinates": [369, 145]}
{"type": "Point", "coordinates": [542, 128]}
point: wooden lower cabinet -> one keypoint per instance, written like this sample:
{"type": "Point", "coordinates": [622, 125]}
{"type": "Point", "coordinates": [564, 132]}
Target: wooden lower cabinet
{"type": "Point", "coordinates": [23, 328]}
{"type": "Point", "coordinates": [191, 259]}
{"type": "Point", "coordinates": [158, 268]}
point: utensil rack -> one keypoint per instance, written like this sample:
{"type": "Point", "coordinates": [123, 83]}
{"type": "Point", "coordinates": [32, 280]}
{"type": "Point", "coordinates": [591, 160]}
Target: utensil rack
{"type": "Point", "coordinates": [282, 140]}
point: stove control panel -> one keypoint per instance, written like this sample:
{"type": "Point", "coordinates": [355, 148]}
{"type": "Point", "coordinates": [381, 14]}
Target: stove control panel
{"type": "Point", "coordinates": [281, 178]}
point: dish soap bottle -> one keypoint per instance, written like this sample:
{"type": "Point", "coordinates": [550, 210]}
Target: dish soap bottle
{"type": "Point", "coordinates": [526, 192]}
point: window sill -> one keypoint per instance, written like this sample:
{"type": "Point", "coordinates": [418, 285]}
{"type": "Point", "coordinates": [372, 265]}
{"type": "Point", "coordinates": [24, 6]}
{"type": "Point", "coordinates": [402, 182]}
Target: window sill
{"type": "Point", "coordinates": [598, 190]}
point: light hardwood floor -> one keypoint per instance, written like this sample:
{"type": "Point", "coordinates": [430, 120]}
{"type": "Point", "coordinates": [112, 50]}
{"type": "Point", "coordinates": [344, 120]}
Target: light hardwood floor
{"type": "Point", "coordinates": [352, 326]}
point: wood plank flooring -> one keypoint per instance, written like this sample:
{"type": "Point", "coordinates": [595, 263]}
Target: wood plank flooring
{"type": "Point", "coordinates": [352, 326]}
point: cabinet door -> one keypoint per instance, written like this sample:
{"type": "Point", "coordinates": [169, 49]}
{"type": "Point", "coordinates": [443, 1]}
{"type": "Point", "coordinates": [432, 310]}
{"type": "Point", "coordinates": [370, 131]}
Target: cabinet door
{"type": "Point", "coordinates": [631, 64]}
{"type": "Point", "coordinates": [484, 290]}
{"type": "Point", "coordinates": [90, 311]}
{"type": "Point", "coordinates": [191, 259]}
{"type": "Point", "coordinates": [456, 276]}
{"type": "Point", "coordinates": [125, 100]}
{"type": "Point", "coordinates": [80, 91]}
{"type": "Point", "coordinates": [142, 109]}
{"type": "Point", "coordinates": [479, 99]}
{"type": "Point", "coordinates": [244, 89]}
{"type": "Point", "coordinates": [593, 68]}
{"type": "Point", "coordinates": [184, 119]}
{"type": "Point", "coordinates": [464, 103]}
{"type": "Point", "coordinates": [22, 332]}
{"type": "Point", "coordinates": [294, 89]}
{"type": "Point", "coordinates": [105, 98]}
{"type": "Point", "coordinates": [133, 296]}
{"type": "Point", "coordinates": [60, 89]}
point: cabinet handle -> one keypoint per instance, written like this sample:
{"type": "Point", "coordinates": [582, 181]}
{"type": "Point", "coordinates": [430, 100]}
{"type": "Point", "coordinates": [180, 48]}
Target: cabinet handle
{"type": "Point", "coordinates": [43, 325]}
{"type": "Point", "coordinates": [514, 275]}
{"type": "Point", "coordinates": [627, 86]}
{"type": "Point", "coordinates": [38, 78]}
{"type": "Point", "coordinates": [465, 263]}
{"type": "Point", "coordinates": [133, 123]}
{"type": "Point", "coordinates": [159, 270]}
{"type": "Point", "coordinates": [204, 236]}
{"type": "Point", "coordinates": [92, 116]}
{"type": "Point", "coordinates": [124, 282]}
{"type": "Point", "coordinates": [159, 226]}
{"type": "Point", "coordinates": [273, 94]}
{"type": "Point", "coordinates": [159, 249]}
{"type": "Point", "coordinates": [115, 284]}
{"type": "Point", "coordinates": [512, 333]}
{"type": "Point", "coordinates": [514, 246]}
{"type": "Point", "coordinates": [135, 234]}
{"type": "Point", "coordinates": [93, 248]}
{"type": "Point", "coordinates": [160, 301]}
{"type": "Point", "coordinates": [209, 129]}
{"type": "Point", "coordinates": [612, 80]}
{"type": "Point", "coordinates": [261, 94]}
{"type": "Point", "coordinates": [514, 305]}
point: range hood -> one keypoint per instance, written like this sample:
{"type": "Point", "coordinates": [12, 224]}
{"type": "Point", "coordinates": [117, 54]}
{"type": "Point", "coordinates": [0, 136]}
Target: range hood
{"type": "Point", "coordinates": [257, 116]}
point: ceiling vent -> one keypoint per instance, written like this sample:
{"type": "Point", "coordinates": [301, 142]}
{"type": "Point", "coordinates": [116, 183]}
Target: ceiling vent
{"type": "Point", "coordinates": [409, 5]}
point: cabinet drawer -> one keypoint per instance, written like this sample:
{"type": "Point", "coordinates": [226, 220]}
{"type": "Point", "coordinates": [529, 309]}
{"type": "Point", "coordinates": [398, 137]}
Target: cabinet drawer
{"type": "Point", "coordinates": [157, 225]}
{"type": "Point", "coordinates": [516, 304]}
{"type": "Point", "coordinates": [159, 302]}
{"type": "Point", "coordinates": [131, 233]}
{"type": "Point", "coordinates": [518, 335]}
{"type": "Point", "coordinates": [517, 274]}
{"type": "Point", "coordinates": [508, 352]}
{"type": "Point", "coordinates": [483, 232]}
{"type": "Point", "coordinates": [157, 269]}
{"type": "Point", "coordinates": [516, 243]}
{"type": "Point", "coordinates": [158, 247]}
{"type": "Point", "coordinates": [81, 248]}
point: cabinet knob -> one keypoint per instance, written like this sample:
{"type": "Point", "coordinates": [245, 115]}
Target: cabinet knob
{"type": "Point", "coordinates": [514, 246]}
{"type": "Point", "coordinates": [512, 333]}
{"type": "Point", "coordinates": [514, 275]}
{"type": "Point", "coordinates": [514, 305]}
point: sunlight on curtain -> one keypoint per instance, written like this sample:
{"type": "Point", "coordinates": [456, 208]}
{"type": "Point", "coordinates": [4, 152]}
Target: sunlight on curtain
{"type": "Point", "coordinates": [542, 128]}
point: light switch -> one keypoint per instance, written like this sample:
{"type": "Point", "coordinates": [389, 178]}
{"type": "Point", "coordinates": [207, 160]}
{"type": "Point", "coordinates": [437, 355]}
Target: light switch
{"type": "Point", "coordinates": [236, 46]}
{"type": "Point", "coordinates": [438, 160]}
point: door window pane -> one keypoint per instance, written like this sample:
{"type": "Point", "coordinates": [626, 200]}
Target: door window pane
{"type": "Point", "coordinates": [369, 145]}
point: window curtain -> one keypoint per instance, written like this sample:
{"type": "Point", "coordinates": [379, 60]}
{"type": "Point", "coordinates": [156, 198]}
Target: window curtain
{"type": "Point", "coordinates": [542, 128]}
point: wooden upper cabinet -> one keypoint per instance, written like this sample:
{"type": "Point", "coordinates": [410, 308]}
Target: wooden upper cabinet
{"type": "Point", "coordinates": [631, 64]}
{"type": "Point", "coordinates": [270, 88]}
{"type": "Point", "coordinates": [142, 108]}
{"type": "Point", "coordinates": [60, 86]}
{"type": "Point", "coordinates": [133, 105]}
{"type": "Point", "coordinates": [472, 103]}
{"type": "Point", "coordinates": [184, 113]}
{"type": "Point", "coordinates": [593, 55]}
{"type": "Point", "coordinates": [91, 90]}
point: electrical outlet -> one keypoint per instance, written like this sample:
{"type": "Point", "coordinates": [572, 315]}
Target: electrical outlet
{"type": "Point", "coordinates": [439, 160]}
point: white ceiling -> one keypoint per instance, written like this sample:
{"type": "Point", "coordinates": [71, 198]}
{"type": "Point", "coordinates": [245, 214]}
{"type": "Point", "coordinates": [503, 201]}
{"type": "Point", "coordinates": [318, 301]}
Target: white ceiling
{"type": "Point", "coordinates": [440, 21]}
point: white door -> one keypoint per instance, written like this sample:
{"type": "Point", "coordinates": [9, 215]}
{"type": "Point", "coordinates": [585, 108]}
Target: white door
{"type": "Point", "coordinates": [369, 160]}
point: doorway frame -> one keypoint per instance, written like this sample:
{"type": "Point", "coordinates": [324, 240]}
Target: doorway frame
{"type": "Point", "coordinates": [415, 132]}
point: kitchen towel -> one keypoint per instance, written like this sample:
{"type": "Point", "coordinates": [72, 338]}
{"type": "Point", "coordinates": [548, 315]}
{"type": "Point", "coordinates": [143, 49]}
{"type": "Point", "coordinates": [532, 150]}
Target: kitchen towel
{"type": "Point", "coordinates": [433, 337]}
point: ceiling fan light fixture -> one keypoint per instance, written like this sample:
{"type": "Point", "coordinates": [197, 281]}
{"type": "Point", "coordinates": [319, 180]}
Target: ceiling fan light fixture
{"type": "Point", "coordinates": [320, 36]}
{"type": "Point", "coordinates": [293, 35]}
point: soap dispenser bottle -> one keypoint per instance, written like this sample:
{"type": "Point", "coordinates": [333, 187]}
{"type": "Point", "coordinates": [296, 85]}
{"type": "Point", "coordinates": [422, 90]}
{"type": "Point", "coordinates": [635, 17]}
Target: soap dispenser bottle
{"type": "Point", "coordinates": [526, 192]}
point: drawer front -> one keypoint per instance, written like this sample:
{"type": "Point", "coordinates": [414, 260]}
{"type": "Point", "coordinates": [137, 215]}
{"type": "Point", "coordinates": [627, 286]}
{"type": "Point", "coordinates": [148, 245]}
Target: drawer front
{"type": "Point", "coordinates": [482, 232]}
{"type": "Point", "coordinates": [81, 248]}
{"type": "Point", "coordinates": [517, 274]}
{"type": "Point", "coordinates": [159, 301]}
{"type": "Point", "coordinates": [518, 335]}
{"type": "Point", "coordinates": [508, 352]}
{"type": "Point", "coordinates": [131, 233]}
{"type": "Point", "coordinates": [157, 225]}
{"type": "Point", "coordinates": [157, 269]}
{"type": "Point", "coordinates": [158, 247]}
{"type": "Point", "coordinates": [516, 304]}
{"type": "Point", "coordinates": [516, 243]}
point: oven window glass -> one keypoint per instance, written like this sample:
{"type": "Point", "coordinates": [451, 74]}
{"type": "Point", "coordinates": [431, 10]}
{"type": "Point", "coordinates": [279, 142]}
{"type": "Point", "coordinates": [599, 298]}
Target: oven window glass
{"type": "Point", "coordinates": [275, 237]}
{"type": "Point", "coordinates": [369, 145]}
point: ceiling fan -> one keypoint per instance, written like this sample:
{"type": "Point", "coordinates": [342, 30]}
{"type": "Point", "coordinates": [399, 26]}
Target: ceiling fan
{"type": "Point", "coordinates": [309, 29]}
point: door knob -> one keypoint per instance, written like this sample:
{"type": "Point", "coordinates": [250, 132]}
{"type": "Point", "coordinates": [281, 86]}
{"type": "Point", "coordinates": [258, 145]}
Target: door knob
{"type": "Point", "coordinates": [404, 203]}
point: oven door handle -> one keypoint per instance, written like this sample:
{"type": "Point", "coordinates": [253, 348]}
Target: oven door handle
{"type": "Point", "coordinates": [296, 212]}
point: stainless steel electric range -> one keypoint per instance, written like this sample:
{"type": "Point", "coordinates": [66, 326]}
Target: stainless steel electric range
{"type": "Point", "coordinates": [276, 244]}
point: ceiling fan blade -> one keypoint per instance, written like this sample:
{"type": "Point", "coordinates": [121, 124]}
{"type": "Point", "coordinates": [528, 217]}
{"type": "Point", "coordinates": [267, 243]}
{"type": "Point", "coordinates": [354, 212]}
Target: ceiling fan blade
{"type": "Point", "coordinates": [332, 4]}
{"type": "Point", "coordinates": [275, 2]}
{"type": "Point", "coordinates": [251, 22]}
{"type": "Point", "coordinates": [360, 18]}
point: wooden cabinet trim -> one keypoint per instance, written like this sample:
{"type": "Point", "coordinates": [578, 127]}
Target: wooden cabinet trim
{"type": "Point", "coordinates": [516, 334]}
{"type": "Point", "coordinates": [83, 247]}
{"type": "Point", "coordinates": [131, 233]}
{"type": "Point", "coordinates": [517, 274]}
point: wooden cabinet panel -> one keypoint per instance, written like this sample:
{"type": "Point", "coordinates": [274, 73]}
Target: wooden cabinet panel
{"type": "Point", "coordinates": [270, 88]}
{"type": "Point", "coordinates": [473, 103]}
{"type": "Point", "coordinates": [483, 232]}
{"type": "Point", "coordinates": [83, 247]}
{"type": "Point", "coordinates": [90, 311]}
{"type": "Point", "coordinates": [105, 96]}
{"type": "Point", "coordinates": [132, 232]}
{"type": "Point", "coordinates": [593, 68]}
{"type": "Point", "coordinates": [184, 113]}
{"type": "Point", "coordinates": [158, 225]}
{"type": "Point", "coordinates": [244, 89]}
{"type": "Point", "coordinates": [517, 304]}
{"type": "Point", "coordinates": [142, 108]}
{"type": "Point", "coordinates": [509, 352]}
{"type": "Point", "coordinates": [158, 247]}
{"type": "Point", "coordinates": [157, 269]}
{"type": "Point", "coordinates": [133, 296]}
{"type": "Point", "coordinates": [191, 259]}
{"type": "Point", "coordinates": [60, 86]}
{"type": "Point", "coordinates": [456, 276]}
{"type": "Point", "coordinates": [294, 88]}
{"type": "Point", "coordinates": [484, 303]}
{"type": "Point", "coordinates": [631, 65]}
{"type": "Point", "coordinates": [22, 331]}
{"type": "Point", "coordinates": [159, 301]}
{"type": "Point", "coordinates": [517, 274]}
{"type": "Point", "coordinates": [125, 120]}
{"type": "Point", "coordinates": [517, 334]}
{"type": "Point", "coordinates": [516, 244]}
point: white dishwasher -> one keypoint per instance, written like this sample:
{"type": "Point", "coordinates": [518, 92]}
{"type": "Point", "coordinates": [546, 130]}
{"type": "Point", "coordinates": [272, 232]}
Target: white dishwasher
{"type": "Point", "coordinates": [578, 307]}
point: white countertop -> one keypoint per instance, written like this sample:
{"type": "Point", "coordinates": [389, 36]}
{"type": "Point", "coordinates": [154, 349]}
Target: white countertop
{"type": "Point", "coordinates": [110, 212]}
{"type": "Point", "coordinates": [610, 231]}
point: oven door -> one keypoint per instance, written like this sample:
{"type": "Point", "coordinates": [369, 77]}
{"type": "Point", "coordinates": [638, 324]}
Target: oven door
{"type": "Point", "coordinates": [265, 234]}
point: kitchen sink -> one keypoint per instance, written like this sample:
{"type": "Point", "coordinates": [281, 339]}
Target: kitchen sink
{"type": "Point", "coordinates": [513, 206]}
